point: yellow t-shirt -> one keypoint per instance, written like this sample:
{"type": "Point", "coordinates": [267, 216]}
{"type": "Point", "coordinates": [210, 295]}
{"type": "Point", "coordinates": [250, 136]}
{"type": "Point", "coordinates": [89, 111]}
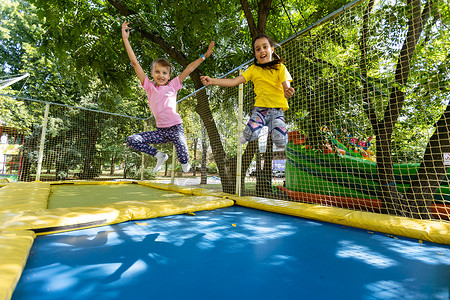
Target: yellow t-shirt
{"type": "Point", "coordinates": [267, 85]}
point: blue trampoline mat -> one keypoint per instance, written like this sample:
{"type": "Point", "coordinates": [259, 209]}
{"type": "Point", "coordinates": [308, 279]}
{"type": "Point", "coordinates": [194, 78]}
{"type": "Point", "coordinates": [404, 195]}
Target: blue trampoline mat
{"type": "Point", "coordinates": [232, 253]}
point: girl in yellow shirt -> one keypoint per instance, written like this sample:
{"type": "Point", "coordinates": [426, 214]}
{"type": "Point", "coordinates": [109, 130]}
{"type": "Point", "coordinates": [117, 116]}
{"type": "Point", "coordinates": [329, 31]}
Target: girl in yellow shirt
{"type": "Point", "coordinates": [272, 87]}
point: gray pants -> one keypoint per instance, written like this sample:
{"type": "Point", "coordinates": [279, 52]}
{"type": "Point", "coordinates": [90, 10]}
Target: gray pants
{"type": "Point", "coordinates": [270, 117]}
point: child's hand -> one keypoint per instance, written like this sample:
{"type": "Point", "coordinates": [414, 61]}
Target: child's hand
{"type": "Point", "coordinates": [206, 80]}
{"type": "Point", "coordinates": [210, 49]}
{"type": "Point", "coordinates": [289, 92]}
{"type": "Point", "coordinates": [125, 30]}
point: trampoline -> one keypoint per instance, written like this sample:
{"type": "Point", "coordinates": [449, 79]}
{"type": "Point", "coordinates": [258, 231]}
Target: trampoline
{"type": "Point", "coordinates": [232, 253]}
{"type": "Point", "coordinates": [213, 250]}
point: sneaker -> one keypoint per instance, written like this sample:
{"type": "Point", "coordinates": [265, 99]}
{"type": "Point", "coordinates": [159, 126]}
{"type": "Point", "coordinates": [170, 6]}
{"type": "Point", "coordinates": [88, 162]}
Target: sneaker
{"type": "Point", "coordinates": [186, 167]}
{"type": "Point", "coordinates": [242, 140]}
{"type": "Point", "coordinates": [161, 157]}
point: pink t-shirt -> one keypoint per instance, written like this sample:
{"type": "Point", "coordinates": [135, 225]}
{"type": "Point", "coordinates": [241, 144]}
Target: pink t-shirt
{"type": "Point", "coordinates": [163, 101]}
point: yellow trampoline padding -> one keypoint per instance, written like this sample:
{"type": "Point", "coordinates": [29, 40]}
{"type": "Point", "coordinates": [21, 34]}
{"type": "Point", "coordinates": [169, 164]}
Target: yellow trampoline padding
{"type": "Point", "coordinates": [427, 230]}
{"type": "Point", "coordinates": [95, 195]}
{"type": "Point", "coordinates": [184, 190]}
{"type": "Point", "coordinates": [14, 250]}
{"type": "Point", "coordinates": [45, 221]}
{"type": "Point", "coordinates": [20, 196]}
{"type": "Point", "coordinates": [62, 219]}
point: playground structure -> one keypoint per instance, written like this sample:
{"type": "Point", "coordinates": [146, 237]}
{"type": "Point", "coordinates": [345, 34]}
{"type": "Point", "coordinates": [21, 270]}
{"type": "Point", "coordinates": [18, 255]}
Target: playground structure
{"type": "Point", "coordinates": [349, 180]}
{"type": "Point", "coordinates": [11, 141]}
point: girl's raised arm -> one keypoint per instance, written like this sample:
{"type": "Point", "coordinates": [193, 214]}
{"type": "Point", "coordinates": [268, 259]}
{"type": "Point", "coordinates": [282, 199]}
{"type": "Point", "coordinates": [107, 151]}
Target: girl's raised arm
{"type": "Point", "coordinates": [193, 65]}
{"type": "Point", "coordinates": [224, 82]}
{"type": "Point", "coordinates": [137, 67]}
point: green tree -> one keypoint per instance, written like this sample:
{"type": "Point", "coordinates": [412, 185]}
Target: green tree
{"type": "Point", "coordinates": [419, 32]}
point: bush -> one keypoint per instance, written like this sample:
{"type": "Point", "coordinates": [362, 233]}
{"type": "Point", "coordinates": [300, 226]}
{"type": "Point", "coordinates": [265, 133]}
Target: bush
{"type": "Point", "coordinates": [136, 174]}
{"type": "Point", "coordinates": [178, 168]}
{"type": "Point", "coordinates": [212, 168]}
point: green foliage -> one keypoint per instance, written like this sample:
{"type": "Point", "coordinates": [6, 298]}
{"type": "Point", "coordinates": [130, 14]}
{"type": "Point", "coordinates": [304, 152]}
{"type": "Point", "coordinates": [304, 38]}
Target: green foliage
{"type": "Point", "coordinates": [20, 32]}
{"type": "Point", "coordinates": [18, 115]}
{"type": "Point", "coordinates": [212, 168]}
{"type": "Point", "coordinates": [332, 96]}
{"type": "Point", "coordinates": [289, 17]}
{"type": "Point", "coordinates": [147, 174]}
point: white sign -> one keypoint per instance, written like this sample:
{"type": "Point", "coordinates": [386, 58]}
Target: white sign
{"type": "Point", "coordinates": [446, 159]}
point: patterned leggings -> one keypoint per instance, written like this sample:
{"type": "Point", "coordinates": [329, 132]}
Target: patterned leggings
{"type": "Point", "coordinates": [174, 134]}
{"type": "Point", "coordinates": [270, 117]}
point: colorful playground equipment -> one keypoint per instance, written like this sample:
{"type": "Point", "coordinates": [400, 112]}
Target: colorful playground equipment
{"type": "Point", "coordinates": [346, 179]}
{"type": "Point", "coordinates": [11, 141]}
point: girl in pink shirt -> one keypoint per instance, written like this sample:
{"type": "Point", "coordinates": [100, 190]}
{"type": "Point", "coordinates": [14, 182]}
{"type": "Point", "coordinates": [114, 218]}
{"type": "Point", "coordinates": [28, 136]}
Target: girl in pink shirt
{"type": "Point", "coordinates": [162, 99]}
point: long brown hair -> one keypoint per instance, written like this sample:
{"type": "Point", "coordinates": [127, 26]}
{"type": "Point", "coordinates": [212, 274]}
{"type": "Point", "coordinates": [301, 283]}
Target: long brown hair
{"type": "Point", "coordinates": [276, 60]}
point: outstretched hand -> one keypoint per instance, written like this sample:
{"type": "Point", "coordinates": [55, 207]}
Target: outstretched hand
{"type": "Point", "coordinates": [125, 30]}
{"type": "Point", "coordinates": [289, 92]}
{"type": "Point", "coordinates": [206, 80]}
{"type": "Point", "coordinates": [210, 49]}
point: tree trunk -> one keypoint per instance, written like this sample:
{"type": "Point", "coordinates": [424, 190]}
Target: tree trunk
{"type": "Point", "coordinates": [25, 174]}
{"type": "Point", "coordinates": [125, 168]}
{"type": "Point", "coordinates": [220, 157]}
{"type": "Point", "coordinates": [386, 176]}
{"type": "Point", "coordinates": [194, 167]}
{"type": "Point", "coordinates": [247, 157]}
{"type": "Point", "coordinates": [30, 145]}
{"type": "Point", "coordinates": [259, 27]}
{"type": "Point", "coordinates": [264, 182]}
{"type": "Point", "coordinates": [432, 169]}
{"type": "Point", "coordinates": [111, 171]}
{"type": "Point", "coordinates": [203, 172]}
{"type": "Point", "coordinates": [92, 132]}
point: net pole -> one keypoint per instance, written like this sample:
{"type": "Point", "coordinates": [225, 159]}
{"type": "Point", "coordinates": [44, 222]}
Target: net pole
{"type": "Point", "coordinates": [2, 156]}
{"type": "Point", "coordinates": [239, 134]}
{"type": "Point", "coordinates": [41, 145]}
{"type": "Point", "coordinates": [9, 82]}
{"type": "Point", "coordinates": [172, 175]}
